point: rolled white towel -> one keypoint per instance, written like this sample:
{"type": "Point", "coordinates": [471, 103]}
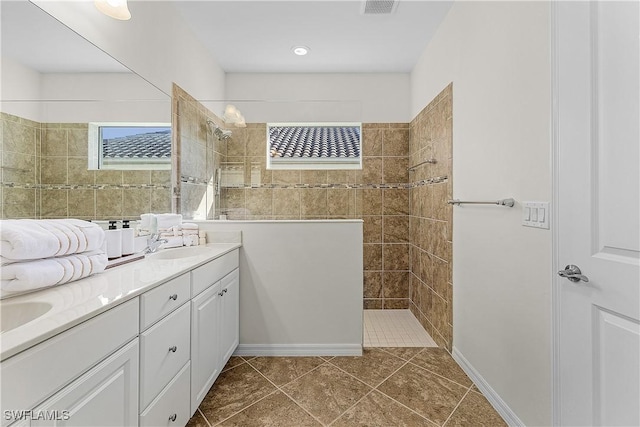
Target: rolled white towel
{"type": "Point", "coordinates": [191, 240]}
{"type": "Point", "coordinates": [28, 239]}
{"type": "Point", "coordinates": [26, 276]}
{"type": "Point", "coordinates": [172, 242]}
{"type": "Point", "coordinates": [168, 220]}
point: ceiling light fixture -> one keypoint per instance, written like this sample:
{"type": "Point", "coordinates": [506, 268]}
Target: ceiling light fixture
{"type": "Point", "coordinates": [116, 9]}
{"type": "Point", "coordinates": [300, 50]}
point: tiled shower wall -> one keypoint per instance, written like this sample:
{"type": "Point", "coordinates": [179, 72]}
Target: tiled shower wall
{"type": "Point", "coordinates": [430, 219]}
{"type": "Point", "coordinates": [44, 175]}
{"type": "Point", "coordinates": [196, 155]}
{"type": "Point", "coordinates": [378, 194]}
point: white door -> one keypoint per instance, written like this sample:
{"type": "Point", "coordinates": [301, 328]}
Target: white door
{"type": "Point", "coordinates": [597, 361]}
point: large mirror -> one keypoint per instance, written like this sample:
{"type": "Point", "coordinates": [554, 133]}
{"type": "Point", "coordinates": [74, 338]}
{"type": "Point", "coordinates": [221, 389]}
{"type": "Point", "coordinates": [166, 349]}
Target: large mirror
{"type": "Point", "coordinates": [54, 85]}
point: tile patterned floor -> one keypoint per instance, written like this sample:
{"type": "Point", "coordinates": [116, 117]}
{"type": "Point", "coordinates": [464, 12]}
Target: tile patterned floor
{"type": "Point", "coordinates": [386, 387]}
{"type": "Point", "coordinates": [394, 328]}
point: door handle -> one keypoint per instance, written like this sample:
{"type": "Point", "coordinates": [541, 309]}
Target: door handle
{"type": "Point", "coordinates": [573, 273]}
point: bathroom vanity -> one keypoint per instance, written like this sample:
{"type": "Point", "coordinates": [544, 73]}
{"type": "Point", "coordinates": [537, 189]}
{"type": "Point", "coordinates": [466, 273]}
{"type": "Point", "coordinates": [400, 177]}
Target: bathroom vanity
{"type": "Point", "coordinates": [140, 344]}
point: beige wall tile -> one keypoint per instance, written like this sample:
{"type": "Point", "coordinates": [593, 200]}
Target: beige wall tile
{"type": "Point", "coordinates": [396, 257]}
{"type": "Point", "coordinates": [18, 168]}
{"type": "Point", "coordinates": [82, 203]}
{"type": "Point", "coordinates": [373, 284]}
{"type": "Point", "coordinates": [54, 170]}
{"type": "Point", "coordinates": [109, 204]}
{"type": "Point", "coordinates": [19, 202]}
{"type": "Point", "coordinates": [396, 201]}
{"type": "Point", "coordinates": [54, 142]}
{"type": "Point", "coordinates": [395, 284]}
{"type": "Point", "coordinates": [341, 202]}
{"type": "Point", "coordinates": [286, 202]}
{"type": "Point", "coordinates": [78, 172]}
{"type": "Point", "coordinates": [259, 201]}
{"type": "Point", "coordinates": [372, 257]}
{"type": "Point", "coordinates": [395, 170]}
{"type": "Point", "coordinates": [313, 202]}
{"type": "Point", "coordinates": [113, 177]}
{"type": "Point", "coordinates": [372, 229]}
{"type": "Point", "coordinates": [160, 200]}
{"type": "Point", "coordinates": [395, 229]}
{"type": "Point", "coordinates": [396, 142]}
{"type": "Point", "coordinates": [136, 201]}
{"type": "Point", "coordinates": [54, 204]}
{"type": "Point", "coordinates": [372, 142]}
{"type": "Point", "coordinates": [78, 142]}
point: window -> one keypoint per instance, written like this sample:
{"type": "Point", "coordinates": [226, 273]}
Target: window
{"type": "Point", "coordinates": [314, 146]}
{"type": "Point", "coordinates": [129, 146]}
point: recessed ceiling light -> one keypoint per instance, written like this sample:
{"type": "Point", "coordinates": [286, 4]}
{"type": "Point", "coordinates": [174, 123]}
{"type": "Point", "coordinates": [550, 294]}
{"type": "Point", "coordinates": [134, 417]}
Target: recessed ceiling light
{"type": "Point", "coordinates": [300, 50]}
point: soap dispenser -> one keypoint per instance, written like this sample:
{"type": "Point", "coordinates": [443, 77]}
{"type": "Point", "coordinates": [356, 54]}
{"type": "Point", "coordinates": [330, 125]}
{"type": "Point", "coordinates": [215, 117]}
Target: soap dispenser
{"type": "Point", "coordinates": [114, 241]}
{"type": "Point", "coordinates": [127, 238]}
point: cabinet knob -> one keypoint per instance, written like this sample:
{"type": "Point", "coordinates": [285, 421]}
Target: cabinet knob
{"type": "Point", "coordinates": [220, 293]}
{"type": "Point", "coordinates": [173, 418]}
{"type": "Point", "coordinates": [173, 349]}
{"type": "Point", "coordinates": [173, 297]}
{"type": "Point", "coordinates": [224, 291]}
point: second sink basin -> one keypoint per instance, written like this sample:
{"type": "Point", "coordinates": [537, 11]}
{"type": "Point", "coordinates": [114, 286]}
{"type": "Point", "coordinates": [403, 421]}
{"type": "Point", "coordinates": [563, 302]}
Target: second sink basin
{"type": "Point", "coordinates": [178, 253]}
{"type": "Point", "coordinates": [14, 315]}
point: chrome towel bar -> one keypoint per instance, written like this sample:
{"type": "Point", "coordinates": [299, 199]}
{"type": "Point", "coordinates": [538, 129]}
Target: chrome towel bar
{"type": "Point", "coordinates": [503, 202]}
{"type": "Point", "coordinates": [412, 168]}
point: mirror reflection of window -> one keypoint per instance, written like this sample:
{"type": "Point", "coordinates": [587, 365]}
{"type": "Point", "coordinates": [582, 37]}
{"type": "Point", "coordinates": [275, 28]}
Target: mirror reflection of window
{"type": "Point", "coordinates": [130, 146]}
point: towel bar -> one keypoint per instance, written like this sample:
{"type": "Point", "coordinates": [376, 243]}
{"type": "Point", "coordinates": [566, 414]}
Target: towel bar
{"type": "Point", "coordinates": [502, 202]}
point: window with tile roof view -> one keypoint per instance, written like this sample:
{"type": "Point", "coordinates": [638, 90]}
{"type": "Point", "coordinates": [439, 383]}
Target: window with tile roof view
{"type": "Point", "coordinates": [314, 146]}
{"type": "Point", "coordinates": [130, 146]}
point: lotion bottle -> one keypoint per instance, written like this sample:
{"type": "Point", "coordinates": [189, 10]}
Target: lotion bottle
{"type": "Point", "coordinates": [114, 241]}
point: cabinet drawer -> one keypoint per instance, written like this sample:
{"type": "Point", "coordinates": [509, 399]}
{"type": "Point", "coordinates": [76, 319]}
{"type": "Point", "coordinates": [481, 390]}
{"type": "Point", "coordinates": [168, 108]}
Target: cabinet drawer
{"type": "Point", "coordinates": [35, 374]}
{"type": "Point", "coordinates": [159, 302]}
{"type": "Point", "coordinates": [164, 349]}
{"type": "Point", "coordinates": [172, 402]}
{"type": "Point", "coordinates": [208, 274]}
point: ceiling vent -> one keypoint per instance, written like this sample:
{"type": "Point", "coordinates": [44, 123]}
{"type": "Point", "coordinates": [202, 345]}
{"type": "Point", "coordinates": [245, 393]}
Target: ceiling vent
{"type": "Point", "coordinates": [379, 7]}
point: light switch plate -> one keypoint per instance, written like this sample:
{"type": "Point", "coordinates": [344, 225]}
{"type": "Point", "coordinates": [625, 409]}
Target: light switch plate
{"type": "Point", "coordinates": [535, 214]}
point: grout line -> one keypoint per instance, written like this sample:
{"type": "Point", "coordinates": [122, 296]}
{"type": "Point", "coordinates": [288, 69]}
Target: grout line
{"type": "Point", "coordinates": [456, 407]}
{"type": "Point", "coordinates": [440, 375]}
{"type": "Point", "coordinates": [205, 418]}
{"type": "Point", "coordinates": [246, 407]}
{"type": "Point", "coordinates": [280, 389]}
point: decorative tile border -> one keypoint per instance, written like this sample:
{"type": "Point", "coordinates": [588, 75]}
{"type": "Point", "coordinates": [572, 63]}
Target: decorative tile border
{"type": "Point", "coordinates": [429, 181]}
{"type": "Point", "coordinates": [83, 187]}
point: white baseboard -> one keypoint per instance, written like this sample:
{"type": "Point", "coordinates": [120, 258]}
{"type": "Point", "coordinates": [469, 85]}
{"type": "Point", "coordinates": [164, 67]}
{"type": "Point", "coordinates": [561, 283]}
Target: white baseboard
{"type": "Point", "coordinates": [298, 350]}
{"type": "Point", "coordinates": [496, 401]}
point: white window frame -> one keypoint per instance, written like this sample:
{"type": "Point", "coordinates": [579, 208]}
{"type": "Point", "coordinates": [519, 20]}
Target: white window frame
{"type": "Point", "coordinates": [95, 148]}
{"type": "Point", "coordinates": [313, 163]}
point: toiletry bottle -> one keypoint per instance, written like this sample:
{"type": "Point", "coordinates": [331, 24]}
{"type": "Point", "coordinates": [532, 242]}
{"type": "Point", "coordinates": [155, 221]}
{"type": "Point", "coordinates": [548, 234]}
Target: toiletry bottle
{"type": "Point", "coordinates": [127, 238]}
{"type": "Point", "coordinates": [114, 241]}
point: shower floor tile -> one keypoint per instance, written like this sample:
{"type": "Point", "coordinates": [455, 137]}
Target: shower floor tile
{"type": "Point", "coordinates": [394, 328]}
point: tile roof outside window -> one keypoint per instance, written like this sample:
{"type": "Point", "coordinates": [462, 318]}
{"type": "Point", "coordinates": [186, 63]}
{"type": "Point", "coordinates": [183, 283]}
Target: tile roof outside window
{"type": "Point", "coordinates": [154, 145]}
{"type": "Point", "coordinates": [309, 142]}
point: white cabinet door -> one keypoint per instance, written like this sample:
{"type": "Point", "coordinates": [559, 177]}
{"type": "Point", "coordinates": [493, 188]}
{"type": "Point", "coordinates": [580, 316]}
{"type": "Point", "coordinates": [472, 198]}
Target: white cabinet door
{"type": "Point", "coordinates": [230, 334]}
{"type": "Point", "coordinates": [205, 343]}
{"type": "Point", "coordinates": [106, 395]}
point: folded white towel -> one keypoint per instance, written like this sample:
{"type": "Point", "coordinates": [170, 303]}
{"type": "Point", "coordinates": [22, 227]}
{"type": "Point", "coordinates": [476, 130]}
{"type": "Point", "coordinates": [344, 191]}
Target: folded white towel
{"type": "Point", "coordinates": [29, 239]}
{"type": "Point", "coordinates": [189, 226]}
{"type": "Point", "coordinates": [189, 232]}
{"type": "Point", "coordinates": [168, 220]}
{"type": "Point", "coordinates": [26, 276]}
{"type": "Point", "coordinates": [146, 221]}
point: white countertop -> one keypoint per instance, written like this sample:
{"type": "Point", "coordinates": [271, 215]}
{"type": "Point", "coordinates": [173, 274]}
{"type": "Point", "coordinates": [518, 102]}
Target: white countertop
{"type": "Point", "coordinates": [78, 301]}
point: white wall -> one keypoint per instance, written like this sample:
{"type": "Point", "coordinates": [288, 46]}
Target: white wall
{"type": "Point", "coordinates": [359, 97]}
{"type": "Point", "coordinates": [300, 286]}
{"type": "Point", "coordinates": [20, 90]}
{"type": "Point", "coordinates": [155, 43]}
{"type": "Point", "coordinates": [497, 56]}
{"type": "Point", "coordinates": [104, 97]}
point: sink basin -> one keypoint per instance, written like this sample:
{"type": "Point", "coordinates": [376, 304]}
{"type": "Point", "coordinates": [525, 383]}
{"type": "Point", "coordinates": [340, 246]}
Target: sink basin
{"type": "Point", "coordinates": [15, 315]}
{"type": "Point", "coordinates": [178, 253]}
